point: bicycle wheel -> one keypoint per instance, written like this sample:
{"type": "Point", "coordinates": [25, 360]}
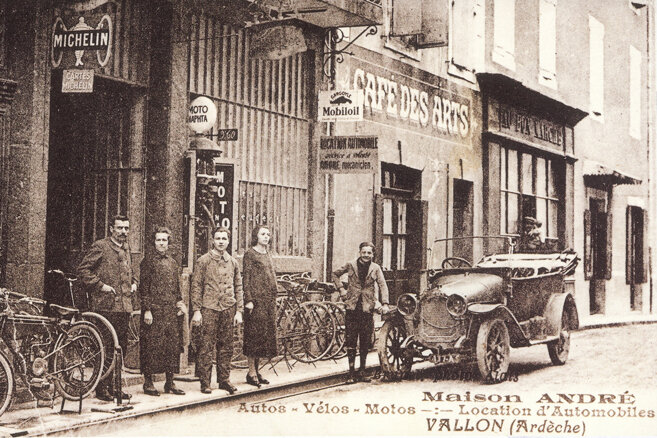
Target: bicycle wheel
{"type": "Point", "coordinates": [108, 336]}
{"type": "Point", "coordinates": [337, 350]}
{"type": "Point", "coordinates": [131, 362]}
{"type": "Point", "coordinates": [78, 361]}
{"type": "Point", "coordinates": [6, 384]}
{"type": "Point", "coordinates": [310, 332]}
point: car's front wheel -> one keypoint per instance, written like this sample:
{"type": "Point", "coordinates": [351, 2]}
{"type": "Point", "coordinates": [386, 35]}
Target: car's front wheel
{"type": "Point", "coordinates": [560, 348]}
{"type": "Point", "coordinates": [395, 361]}
{"type": "Point", "coordinates": [493, 350]}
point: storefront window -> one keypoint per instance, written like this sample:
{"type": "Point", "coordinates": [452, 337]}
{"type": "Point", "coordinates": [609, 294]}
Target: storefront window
{"type": "Point", "coordinates": [528, 188]}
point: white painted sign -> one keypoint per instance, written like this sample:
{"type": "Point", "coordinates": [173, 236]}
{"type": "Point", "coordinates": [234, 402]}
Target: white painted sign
{"type": "Point", "coordinates": [202, 114]}
{"type": "Point", "coordinates": [340, 106]}
{"type": "Point", "coordinates": [77, 81]}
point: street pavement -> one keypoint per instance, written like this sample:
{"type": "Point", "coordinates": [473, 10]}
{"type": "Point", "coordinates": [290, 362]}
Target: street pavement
{"type": "Point", "coordinates": [612, 360]}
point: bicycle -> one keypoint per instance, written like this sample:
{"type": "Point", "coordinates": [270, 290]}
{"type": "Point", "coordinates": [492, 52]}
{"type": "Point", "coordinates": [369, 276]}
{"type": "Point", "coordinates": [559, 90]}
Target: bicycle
{"type": "Point", "coordinates": [105, 328]}
{"type": "Point", "coordinates": [337, 309]}
{"type": "Point", "coordinates": [47, 351]}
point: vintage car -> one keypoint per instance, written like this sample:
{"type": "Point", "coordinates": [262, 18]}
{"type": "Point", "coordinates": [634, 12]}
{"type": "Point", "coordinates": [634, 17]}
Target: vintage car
{"type": "Point", "coordinates": [475, 313]}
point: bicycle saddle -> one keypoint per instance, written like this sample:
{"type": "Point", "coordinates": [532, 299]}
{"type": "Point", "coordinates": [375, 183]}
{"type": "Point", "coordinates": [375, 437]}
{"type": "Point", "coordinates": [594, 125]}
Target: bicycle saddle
{"type": "Point", "coordinates": [63, 311]}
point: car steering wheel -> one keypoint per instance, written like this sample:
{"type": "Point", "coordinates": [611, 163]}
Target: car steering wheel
{"type": "Point", "coordinates": [455, 263]}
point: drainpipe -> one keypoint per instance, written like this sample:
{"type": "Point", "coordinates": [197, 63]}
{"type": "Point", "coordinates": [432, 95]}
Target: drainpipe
{"type": "Point", "coordinates": [330, 183]}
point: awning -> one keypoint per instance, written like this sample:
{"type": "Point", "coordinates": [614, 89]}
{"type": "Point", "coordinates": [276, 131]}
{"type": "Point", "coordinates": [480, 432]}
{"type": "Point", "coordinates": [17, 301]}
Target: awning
{"type": "Point", "coordinates": [599, 175]}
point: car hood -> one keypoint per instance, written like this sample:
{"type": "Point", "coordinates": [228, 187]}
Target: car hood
{"type": "Point", "coordinates": [472, 286]}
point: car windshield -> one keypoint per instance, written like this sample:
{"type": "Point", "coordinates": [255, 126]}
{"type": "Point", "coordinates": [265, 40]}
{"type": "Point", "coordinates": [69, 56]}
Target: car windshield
{"type": "Point", "coordinates": [453, 252]}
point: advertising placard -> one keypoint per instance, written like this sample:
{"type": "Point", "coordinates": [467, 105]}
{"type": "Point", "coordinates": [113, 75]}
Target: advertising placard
{"type": "Point", "coordinates": [77, 81]}
{"type": "Point", "coordinates": [340, 106]}
{"type": "Point", "coordinates": [350, 154]}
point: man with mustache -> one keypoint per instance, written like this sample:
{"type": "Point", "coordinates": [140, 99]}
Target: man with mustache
{"type": "Point", "coordinates": [106, 272]}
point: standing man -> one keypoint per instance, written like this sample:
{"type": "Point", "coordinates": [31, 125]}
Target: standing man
{"type": "Point", "coordinates": [106, 272]}
{"type": "Point", "coordinates": [218, 303]}
{"type": "Point", "coordinates": [361, 299]}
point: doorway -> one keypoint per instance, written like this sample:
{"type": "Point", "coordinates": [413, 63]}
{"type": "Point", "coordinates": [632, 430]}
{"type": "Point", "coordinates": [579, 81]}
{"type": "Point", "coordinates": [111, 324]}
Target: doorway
{"type": "Point", "coordinates": [600, 255]}
{"type": "Point", "coordinates": [463, 219]}
{"type": "Point", "coordinates": [95, 168]}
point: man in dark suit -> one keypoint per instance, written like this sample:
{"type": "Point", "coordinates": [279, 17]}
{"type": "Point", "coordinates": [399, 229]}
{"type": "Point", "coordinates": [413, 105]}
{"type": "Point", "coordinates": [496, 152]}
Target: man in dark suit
{"type": "Point", "coordinates": [364, 277]}
{"type": "Point", "coordinates": [106, 271]}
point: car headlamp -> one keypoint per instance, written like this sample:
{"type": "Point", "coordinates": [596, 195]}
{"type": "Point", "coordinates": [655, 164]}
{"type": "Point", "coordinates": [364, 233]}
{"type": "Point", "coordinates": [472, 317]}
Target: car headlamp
{"type": "Point", "coordinates": [407, 304]}
{"type": "Point", "coordinates": [456, 305]}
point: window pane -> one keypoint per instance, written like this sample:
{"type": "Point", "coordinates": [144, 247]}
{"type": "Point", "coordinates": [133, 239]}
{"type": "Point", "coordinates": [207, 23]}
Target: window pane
{"type": "Point", "coordinates": [503, 183]}
{"type": "Point", "coordinates": [541, 183]}
{"type": "Point", "coordinates": [503, 213]}
{"type": "Point", "coordinates": [387, 216]}
{"type": "Point", "coordinates": [552, 185]}
{"type": "Point", "coordinates": [553, 212]}
{"type": "Point", "coordinates": [401, 224]}
{"type": "Point", "coordinates": [512, 170]}
{"type": "Point", "coordinates": [401, 253]}
{"type": "Point", "coordinates": [541, 212]}
{"type": "Point", "coordinates": [512, 214]}
{"type": "Point", "coordinates": [387, 253]}
{"type": "Point", "coordinates": [527, 174]}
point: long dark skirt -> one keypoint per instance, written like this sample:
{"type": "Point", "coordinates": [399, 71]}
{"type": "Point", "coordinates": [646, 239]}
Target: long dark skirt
{"type": "Point", "coordinates": [160, 343]}
{"type": "Point", "coordinates": [260, 329]}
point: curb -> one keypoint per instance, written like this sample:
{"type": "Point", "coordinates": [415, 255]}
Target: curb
{"type": "Point", "coordinates": [597, 325]}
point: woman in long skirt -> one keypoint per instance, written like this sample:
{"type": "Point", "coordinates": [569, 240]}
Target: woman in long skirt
{"type": "Point", "coordinates": [161, 306]}
{"type": "Point", "coordinates": [259, 280]}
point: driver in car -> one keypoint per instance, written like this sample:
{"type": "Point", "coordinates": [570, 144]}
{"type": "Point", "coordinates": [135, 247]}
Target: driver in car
{"type": "Point", "coordinates": [531, 239]}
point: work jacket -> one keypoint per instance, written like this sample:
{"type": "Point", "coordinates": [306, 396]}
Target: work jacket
{"type": "Point", "coordinates": [368, 291]}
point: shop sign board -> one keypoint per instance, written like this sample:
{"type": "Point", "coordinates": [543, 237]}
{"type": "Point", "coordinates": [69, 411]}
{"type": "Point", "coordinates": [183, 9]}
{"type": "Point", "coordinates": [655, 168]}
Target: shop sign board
{"type": "Point", "coordinates": [81, 37]}
{"type": "Point", "coordinates": [202, 114]}
{"type": "Point", "coordinates": [348, 154]}
{"type": "Point", "coordinates": [527, 127]}
{"type": "Point", "coordinates": [340, 106]}
{"type": "Point", "coordinates": [398, 95]}
{"type": "Point", "coordinates": [78, 81]}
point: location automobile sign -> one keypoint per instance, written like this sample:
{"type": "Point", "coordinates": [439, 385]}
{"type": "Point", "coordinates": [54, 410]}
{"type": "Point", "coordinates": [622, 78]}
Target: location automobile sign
{"type": "Point", "coordinates": [340, 106]}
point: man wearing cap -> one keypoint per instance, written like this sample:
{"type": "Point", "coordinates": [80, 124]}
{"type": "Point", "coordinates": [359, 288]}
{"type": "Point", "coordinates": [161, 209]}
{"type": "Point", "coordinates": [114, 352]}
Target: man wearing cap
{"type": "Point", "coordinates": [531, 239]}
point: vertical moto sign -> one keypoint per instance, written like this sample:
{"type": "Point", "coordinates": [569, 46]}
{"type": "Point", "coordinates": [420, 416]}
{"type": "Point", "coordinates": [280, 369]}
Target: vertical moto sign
{"type": "Point", "coordinates": [223, 205]}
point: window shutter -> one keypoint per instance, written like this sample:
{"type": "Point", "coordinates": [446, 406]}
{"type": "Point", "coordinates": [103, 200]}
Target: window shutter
{"type": "Point", "coordinates": [434, 24]}
{"type": "Point", "coordinates": [588, 257]}
{"type": "Point", "coordinates": [629, 247]}
{"type": "Point", "coordinates": [646, 254]}
{"type": "Point", "coordinates": [405, 17]}
{"type": "Point", "coordinates": [609, 246]}
{"type": "Point", "coordinates": [416, 253]}
{"type": "Point", "coordinates": [378, 228]}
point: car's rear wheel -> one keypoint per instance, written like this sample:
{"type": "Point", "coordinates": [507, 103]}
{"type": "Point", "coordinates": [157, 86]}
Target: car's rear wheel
{"type": "Point", "coordinates": [560, 348]}
{"type": "Point", "coordinates": [396, 362]}
{"type": "Point", "coordinates": [493, 350]}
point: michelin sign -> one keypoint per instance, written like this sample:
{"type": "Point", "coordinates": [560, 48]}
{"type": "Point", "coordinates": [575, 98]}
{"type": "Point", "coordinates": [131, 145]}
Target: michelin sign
{"type": "Point", "coordinates": [340, 106]}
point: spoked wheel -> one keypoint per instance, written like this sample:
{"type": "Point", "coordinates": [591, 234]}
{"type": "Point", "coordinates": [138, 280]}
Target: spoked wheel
{"type": "Point", "coordinates": [6, 384]}
{"type": "Point", "coordinates": [493, 350]}
{"type": "Point", "coordinates": [109, 338]}
{"type": "Point", "coordinates": [455, 263]}
{"type": "Point", "coordinates": [78, 358]}
{"type": "Point", "coordinates": [239, 360]}
{"type": "Point", "coordinates": [337, 350]}
{"type": "Point", "coordinates": [310, 332]}
{"type": "Point", "coordinates": [131, 356]}
{"type": "Point", "coordinates": [560, 348]}
{"type": "Point", "coordinates": [396, 362]}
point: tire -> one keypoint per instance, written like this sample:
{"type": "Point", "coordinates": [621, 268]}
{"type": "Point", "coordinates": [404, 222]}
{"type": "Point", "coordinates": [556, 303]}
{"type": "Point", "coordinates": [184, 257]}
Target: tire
{"type": "Point", "coordinates": [109, 338]}
{"type": "Point", "coordinates": [78, 358]}
{"type": "Point", "coordinates": [310, 332]}
{"type": "Point", "coordinates": [337, 350]}
{"type": "Point", "coordinates": [395, 361]}
{"type": "Point", "coordinates": [493, 350]}
{"type": "Point", "coordinates": [559, 349]}
{"type": "Point", "coordinates": [6, 384]}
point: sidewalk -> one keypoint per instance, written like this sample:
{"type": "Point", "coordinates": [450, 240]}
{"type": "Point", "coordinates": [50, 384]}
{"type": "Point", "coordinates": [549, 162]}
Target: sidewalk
{"type": "Point", "coordinates": [599, 321]}
{"type": "Point", "coordinates": [28, 419]}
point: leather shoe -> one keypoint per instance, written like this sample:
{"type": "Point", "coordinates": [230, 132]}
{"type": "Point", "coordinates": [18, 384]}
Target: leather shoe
{"type": "Point", "coordinates": [262, 380]}
{"type": "Point", "coordinates": [362, 377]}
{"type": "Point", "coordinates": [227, 386]}
{"type": "Point", "coordinates": [104, 395]}
{"type": "Point", "coordinates": [352, 378]}
{"type": "Point", "coordinates": [206, 390]}
{"type": "Point", "coordinates": [125, 396]}
{"type": "Point", "coordinates": [150, 390]}
{"type": "Point", "coordinates": [253, 381]}
{"type": "Point", "coordinates": [173, 390]}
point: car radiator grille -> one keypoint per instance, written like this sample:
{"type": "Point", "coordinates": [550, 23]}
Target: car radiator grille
{"type": "Point", "coordinates": [436, 324]}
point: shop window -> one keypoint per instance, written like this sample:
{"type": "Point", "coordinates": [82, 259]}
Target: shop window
{"type": "Point", "coordinates": [528, 188]}
{"type": "Point", "coordinates": [635, 93]}
{"type": "Point", "coordinates": [635, 272]}
{"type": "Point", "coordinates": [504, 16]}
{"type": "Point", "coordinates": [596, 67]}
{"type": "Point", "coordinates": [547, 43]}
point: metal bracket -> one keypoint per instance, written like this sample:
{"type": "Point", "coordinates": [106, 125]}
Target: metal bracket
{"type": "Point", "coordinates": [333, 37]}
